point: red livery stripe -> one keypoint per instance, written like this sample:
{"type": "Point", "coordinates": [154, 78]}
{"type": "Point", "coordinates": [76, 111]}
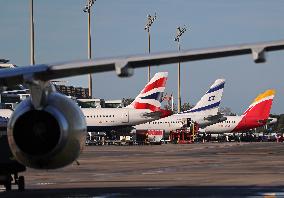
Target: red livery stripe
{"type": "Point", "coordinates": [138, 105]}
{"type": "Point", "coordinates": [253, 116]}
{"type": "Point", "coordinates": [158, 83]}
{"type": "Point", "coordinates": [155, 132]}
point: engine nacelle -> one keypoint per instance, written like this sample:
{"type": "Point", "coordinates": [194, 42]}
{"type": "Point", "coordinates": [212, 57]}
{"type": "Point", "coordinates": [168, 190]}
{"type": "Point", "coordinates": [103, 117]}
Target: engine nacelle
{"type": "Point", "coordinates": [49, 138]}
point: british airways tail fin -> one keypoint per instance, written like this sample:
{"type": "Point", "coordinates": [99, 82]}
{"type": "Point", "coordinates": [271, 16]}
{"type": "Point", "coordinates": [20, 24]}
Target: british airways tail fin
{"type": "Point", "coordinates": [150, 96]}
{"type": "Point", "coordinates": [261, 106]}
{"type": "Point", "coordinates": [210, 102]}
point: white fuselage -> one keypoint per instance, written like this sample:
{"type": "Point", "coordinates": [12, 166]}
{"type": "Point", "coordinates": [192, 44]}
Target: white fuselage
{"type": "Point", "coordinates": [105, 119]}
{"type": "Point", "coordinates": [174, 122]}
{"type": "Point", "coordinates": [226, 126]}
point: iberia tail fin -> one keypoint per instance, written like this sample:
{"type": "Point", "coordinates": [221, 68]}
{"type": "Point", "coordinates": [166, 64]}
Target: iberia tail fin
{"type": "Point", "coordinates": [261, 106]}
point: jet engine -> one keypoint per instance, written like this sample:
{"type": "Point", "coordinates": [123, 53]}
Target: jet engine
{"type": "Point", "coordinates": [50, 137]}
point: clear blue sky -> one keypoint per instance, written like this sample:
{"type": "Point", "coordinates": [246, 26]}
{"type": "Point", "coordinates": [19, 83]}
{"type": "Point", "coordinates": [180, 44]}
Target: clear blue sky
{"type": "Point", "coordinates": [118, 29]}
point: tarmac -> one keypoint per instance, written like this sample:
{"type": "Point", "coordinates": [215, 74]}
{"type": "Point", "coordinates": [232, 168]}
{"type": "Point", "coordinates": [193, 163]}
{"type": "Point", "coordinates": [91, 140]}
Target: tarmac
{"type": "Point", "coordinates": [170, 170]}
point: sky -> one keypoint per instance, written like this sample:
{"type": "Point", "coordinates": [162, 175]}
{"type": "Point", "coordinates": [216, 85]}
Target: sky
{"type": "Point", "coordinates": [118, 29]}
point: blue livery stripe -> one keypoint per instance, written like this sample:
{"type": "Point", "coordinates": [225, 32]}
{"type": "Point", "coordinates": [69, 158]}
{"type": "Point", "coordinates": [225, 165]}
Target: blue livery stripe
{"type": "Point", "coordinates": [203, 108]}
{"type": "Point", "coordinates": [154, 96]}
{"type": "Point", "coordinates": [221, 86]}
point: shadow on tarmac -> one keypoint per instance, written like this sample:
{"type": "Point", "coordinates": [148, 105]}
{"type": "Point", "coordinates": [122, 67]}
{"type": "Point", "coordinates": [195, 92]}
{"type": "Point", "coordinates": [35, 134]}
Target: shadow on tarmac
{"type": "Point", "coordinates": [180, 191]}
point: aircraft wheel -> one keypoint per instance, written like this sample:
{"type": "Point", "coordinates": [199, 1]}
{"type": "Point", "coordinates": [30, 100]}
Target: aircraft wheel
{"type": "Point", "coordinates": [21, 183]}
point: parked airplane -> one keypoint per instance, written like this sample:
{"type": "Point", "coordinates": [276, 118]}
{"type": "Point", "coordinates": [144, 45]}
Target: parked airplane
{"type": "Point", "coordinates": [145, 108]}
{"type": "Point", "coordinates": [48, 130]}
{"type": "Point", "coordinates": [205, 112]}
{"type": "Point", "coordinates": [256, 115]}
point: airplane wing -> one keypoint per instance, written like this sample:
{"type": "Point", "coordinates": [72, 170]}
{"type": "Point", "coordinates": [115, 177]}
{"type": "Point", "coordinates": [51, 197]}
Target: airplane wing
{"type": "Point", "coordinates": [124, 65]}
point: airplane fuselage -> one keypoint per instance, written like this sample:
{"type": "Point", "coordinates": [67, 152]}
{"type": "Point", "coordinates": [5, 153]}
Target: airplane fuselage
{"type": "Point", "coordinates": [174, 122]}
{"type": "Point", "coordinates": [235, 124]}
{"type": "Point", "coordinates": [105, 119]}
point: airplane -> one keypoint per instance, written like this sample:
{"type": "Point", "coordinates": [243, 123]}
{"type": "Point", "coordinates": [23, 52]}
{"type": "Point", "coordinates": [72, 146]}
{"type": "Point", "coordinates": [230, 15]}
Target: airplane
{"type": "Point", "coordinates": [204, 113]}
{"type": "Point", "coordinates": [145, 108]}
{"type": "Point", "coordinates": [48, 130]}
{"type": "Point", "coordinates": [255, 116]}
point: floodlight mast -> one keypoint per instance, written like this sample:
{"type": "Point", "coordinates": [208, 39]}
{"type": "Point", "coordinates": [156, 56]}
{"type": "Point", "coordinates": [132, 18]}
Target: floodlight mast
{"type": "Point", "coordinates": [87, 9]}
{"type": "Point", "coordinates": [180, 31]}
{"type": "Point", "coordinates": [32, 55]}
{"type": "Point", "coordinates": [150, 21]}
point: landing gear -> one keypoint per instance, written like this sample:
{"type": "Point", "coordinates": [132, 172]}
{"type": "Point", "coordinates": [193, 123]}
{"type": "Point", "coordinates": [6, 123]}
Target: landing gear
{"type": "Point", "coordinates": [8, 185]}
{"type": "Point", "coordinates": [7, 181]}
{"type": "Point", "coordinates": [21, 183]}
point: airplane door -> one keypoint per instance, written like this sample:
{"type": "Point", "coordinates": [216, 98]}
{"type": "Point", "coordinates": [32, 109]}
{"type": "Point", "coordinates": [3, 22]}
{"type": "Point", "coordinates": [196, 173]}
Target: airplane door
{"type": "Point", "coordinates": [125, 116]}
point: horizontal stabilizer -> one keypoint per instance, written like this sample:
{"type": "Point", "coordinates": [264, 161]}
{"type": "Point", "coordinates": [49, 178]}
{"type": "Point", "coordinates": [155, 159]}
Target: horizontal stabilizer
{"type": "Point", "coordinates": [158, 114]}
{"type": "Point", "coordinates": [216, 118]}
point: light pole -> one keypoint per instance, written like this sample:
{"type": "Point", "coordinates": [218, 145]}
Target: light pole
{"type": "Point", "coordinates": [179, 33]}
{"type": "Point", "coordinates": [150, 21]}
{"type": "Point", "coordinates": [87, 9]}
{"type": "Point", "coordinates": [32, 32]}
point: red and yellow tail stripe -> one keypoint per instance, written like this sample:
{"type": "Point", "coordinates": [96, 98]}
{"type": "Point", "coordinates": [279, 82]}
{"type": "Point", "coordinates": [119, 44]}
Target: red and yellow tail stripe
{"type": "Point", "coordinates": [267, 95]}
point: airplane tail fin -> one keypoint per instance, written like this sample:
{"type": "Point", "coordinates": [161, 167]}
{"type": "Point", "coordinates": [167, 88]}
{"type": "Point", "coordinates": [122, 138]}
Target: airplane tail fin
{"type": "Point", "coordinates": [150, 96]}
{"type": "Point", "coordinates": [210, 102]}
{"type": "Point", "coordinates": [261, 106]}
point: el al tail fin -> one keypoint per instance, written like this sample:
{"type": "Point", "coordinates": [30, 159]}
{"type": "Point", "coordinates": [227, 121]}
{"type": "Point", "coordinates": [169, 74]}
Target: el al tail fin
{"type": "Point", "coordinates": [209, 103]}
{"type": "Point", "coordinates": [150, 96]}
{"type": "Point", "coordinates": [261, 106]}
